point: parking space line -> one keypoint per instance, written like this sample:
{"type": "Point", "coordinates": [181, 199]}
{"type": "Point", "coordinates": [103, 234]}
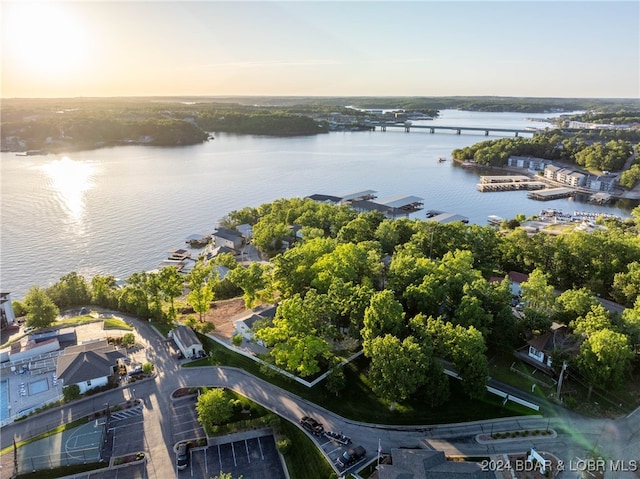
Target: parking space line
{"type": "Point", "coordinates": [126, 425]}
{"type": "Point", "coordinates": [206, 467]}
{"type": "Point", "coordinates": [191, 460]}
{"type": "Point", "coordinates": [233, 450]}
{"type": "Point", "coordinates": [334, 450]}
{"type": "Point", "coordinates": [219, 457]}
{"type": "Point", "coordinates": [246, 445]}
{"type": "Point", "coordinates": [260, 446]}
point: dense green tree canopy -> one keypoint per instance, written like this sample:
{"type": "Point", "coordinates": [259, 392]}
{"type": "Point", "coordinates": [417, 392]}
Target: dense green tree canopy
{"type": "Point", "coordinates": [605, 358]}
{"type": "Point", "coordinates": [214, 407]}
{"type": "Point", "coordinates": [41, 310]}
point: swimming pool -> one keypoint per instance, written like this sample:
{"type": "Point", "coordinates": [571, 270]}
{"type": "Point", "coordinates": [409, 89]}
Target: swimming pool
{"type": "Point", "coordinates": [38, 386]}
{"type": "Point", "coordinates": [4, 400]}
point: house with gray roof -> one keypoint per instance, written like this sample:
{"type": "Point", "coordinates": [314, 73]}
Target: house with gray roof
{"type": "Point", "coordinates": [244, 322]}
{"type": "Point", "coordinates": [88, 365]}
{"type": "Point", "coordinates": [187, 342]}
{"type": "Point", "coordinates": [229, 238]}
{"type": "Point", "coordinates": [428, 464]}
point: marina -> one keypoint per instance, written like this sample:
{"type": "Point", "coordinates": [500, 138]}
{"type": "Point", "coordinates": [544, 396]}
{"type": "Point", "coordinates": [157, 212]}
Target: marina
{"type": "Point", "coordinates": [508, 183]}
{"type": "Point", "coordinates": [551, 194]}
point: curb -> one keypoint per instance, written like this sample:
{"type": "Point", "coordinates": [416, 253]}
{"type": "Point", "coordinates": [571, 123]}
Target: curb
{"type": "Point", "coordinates": [487, 439]}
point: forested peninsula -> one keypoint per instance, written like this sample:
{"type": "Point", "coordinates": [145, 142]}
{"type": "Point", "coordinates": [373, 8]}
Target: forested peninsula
{"type": "Point", "coordinates": [57, 125]}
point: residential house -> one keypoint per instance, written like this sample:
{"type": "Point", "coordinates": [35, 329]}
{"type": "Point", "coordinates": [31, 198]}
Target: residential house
{"type": "Point", "coordinates": [539, 351]}
{"type": "Point", "coordinates": [244, 322]}
{"type": "Point", "coordinates": [88, 365]}
{"type": "Point", "coordinates": [428, 464]}
{"type": "Point", "coordinates": [187, 342]}
{"type": "Point", "coordinates": [229, 238]}
{"type": "Point", "coordinates": [246, 231]}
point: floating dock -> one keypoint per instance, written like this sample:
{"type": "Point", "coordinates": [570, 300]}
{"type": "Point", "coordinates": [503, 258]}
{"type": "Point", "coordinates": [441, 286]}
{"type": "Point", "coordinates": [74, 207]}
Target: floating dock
{"type": "Point", "coordinates": [551, 194]}
{"type": "Point", "coordinates": [600, 198]}
{"type": "Point", "coordinates": [508, 183]}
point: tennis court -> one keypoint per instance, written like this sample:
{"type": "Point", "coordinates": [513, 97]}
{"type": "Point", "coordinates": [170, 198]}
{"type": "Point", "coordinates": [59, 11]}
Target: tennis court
{"type": "Point", "coordinates": [79, 445]}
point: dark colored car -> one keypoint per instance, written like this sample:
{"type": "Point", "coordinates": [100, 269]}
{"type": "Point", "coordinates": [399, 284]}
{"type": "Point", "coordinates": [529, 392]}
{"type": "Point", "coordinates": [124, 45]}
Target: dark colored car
{"type": "Point", "coordinates": [351, 456]}
{"type": "Point", "coordinates": [311, 425]}
{"type": "Point", "coordinates": [182, 457]}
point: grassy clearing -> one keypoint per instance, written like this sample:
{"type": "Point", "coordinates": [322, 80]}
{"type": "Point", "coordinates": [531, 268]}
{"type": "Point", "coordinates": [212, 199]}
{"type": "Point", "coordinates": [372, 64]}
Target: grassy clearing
{"type": "Point", "coordinates": [116, 323]}
{"type": "Point", "coordinates": [359, 403]}
{"type": "Point", "coordinates": [77, 321]}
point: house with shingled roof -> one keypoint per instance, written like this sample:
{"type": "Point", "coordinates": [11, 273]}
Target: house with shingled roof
{"type": "Point", "coordinates": [88, 365]}
{"type": "Point", "coordinates": [425, 464]}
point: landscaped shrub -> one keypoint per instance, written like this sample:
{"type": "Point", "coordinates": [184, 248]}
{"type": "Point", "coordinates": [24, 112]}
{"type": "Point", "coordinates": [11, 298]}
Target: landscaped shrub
{"type": "Point", "coordinates": [148, 368]}
{"type": "Point", "coordinates": [128, 340]}
{"type": "Point", "coordinates": [284, 446]}
{"type": "Point", "coordinates": [237, 340]}
{"type": "Point", "coordinates": [71, 392]}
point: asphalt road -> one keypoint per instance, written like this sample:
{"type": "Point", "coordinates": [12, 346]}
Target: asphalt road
{"type": "Point", "coordinates": [576, 436]}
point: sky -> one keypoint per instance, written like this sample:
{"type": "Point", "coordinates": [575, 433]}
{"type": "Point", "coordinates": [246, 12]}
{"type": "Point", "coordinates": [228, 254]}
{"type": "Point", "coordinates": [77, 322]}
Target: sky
{"type": "Point", "coordinates": [320, 48]}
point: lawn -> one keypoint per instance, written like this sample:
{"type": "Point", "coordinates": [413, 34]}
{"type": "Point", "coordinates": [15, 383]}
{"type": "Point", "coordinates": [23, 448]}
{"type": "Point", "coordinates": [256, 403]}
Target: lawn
{"type": "Point", "coordinates": [116, 323]}
{"type": "Point", "coordinates": [357, 402]}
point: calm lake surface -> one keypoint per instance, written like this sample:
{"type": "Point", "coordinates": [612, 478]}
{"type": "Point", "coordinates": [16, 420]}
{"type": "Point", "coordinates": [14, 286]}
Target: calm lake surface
{"type": "Point", "coordinates": [116, 211]}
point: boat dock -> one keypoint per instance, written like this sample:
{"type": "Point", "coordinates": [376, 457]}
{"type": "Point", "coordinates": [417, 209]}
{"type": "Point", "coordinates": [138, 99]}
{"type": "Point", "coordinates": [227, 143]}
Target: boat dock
{"type": "Point", "coordinates": [508, 183]}
{"type": "Point", "coordinates": [600, 198]}
{"type": "Point", "coordinates": [551, 194]}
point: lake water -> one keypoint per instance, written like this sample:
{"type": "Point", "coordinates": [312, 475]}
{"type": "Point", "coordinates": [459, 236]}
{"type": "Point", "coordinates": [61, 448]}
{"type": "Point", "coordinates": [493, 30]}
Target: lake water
{"type": "Point", "coordinates": [115, 211]}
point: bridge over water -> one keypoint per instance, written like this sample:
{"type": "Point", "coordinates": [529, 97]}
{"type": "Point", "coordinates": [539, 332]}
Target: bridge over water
{"type": "Point", "coordinates": [457, 129]}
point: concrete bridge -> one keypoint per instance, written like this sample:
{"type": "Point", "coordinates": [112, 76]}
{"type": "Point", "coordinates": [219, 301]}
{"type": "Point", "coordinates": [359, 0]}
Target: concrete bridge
{"type": "Point", "coordinates": [457, 129]}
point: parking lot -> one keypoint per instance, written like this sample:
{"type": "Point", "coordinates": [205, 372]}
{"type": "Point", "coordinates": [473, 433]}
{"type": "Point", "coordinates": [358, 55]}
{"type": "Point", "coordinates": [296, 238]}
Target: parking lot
{"type": "Point", "coordinates": [184, 420]}
{"type": "Point", "coordinates": [252, 458]}
{"type": "Point", "coordinates": [126, 431]}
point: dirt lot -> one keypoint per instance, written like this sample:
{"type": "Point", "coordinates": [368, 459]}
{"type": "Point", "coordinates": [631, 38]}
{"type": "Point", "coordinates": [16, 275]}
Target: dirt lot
{"type": "Point", "coordinates": [220, 316]}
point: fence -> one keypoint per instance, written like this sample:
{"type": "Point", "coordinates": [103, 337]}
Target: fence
{"type": "Point", "coordinates": [51, 460]}
{"type": "Point", "coordinates": [277, 369]}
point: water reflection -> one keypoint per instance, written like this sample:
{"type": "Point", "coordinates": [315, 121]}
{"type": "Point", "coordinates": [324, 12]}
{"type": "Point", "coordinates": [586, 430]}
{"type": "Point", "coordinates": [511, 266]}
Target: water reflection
{"type": "Point", "coordinates": [71, 180]}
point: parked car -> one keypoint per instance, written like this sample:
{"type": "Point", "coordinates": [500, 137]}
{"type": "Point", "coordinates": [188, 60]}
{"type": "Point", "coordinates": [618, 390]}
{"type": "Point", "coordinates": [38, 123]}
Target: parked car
{"type": "Point", "coordinates": [311, 425]}
{"type": "Point", "coordinates": [182, 456]}
{"type": "Point", "coordinates": [351, 456]}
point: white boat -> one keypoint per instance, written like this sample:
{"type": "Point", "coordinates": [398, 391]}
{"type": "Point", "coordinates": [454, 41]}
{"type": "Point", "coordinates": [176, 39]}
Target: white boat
{"type": "Point", "coordinates": [494, 220]}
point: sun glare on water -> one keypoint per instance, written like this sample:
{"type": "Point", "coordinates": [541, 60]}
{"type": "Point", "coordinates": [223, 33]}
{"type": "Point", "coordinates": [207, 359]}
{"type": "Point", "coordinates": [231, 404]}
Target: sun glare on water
{"type": "Point", "coordinates": [44, 38]}
{"type": "Point", "coordinates": [70, 180]}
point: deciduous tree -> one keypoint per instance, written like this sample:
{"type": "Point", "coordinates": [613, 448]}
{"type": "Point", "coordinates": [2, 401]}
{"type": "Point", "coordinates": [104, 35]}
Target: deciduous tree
{"type": "Point", "coordinates": [398, 368]}
{"type": "Point", "coordinates": [604, 359]}
{"type": "Point", "coordinates": [201, 293]}
{"type": "Point", "coordinates": [214, 407]}
{"type": "Point", "coordinates": [384, 315]}
{"type": "Point", "coordinates": [42, 312]}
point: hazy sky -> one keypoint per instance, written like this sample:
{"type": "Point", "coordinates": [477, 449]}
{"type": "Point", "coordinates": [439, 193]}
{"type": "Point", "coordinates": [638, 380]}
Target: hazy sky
{"type": "Point", "coordinates": [394, 48]}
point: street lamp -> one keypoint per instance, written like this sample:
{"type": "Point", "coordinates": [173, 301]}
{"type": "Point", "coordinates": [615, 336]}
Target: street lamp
{"type": "Point", "coordinates": [134, 392]}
